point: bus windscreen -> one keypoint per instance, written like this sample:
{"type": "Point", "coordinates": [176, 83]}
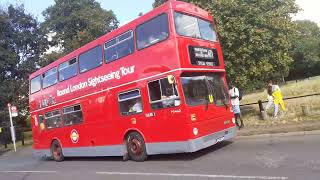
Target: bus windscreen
{"type": "Point", "coordinates": [198, 87]}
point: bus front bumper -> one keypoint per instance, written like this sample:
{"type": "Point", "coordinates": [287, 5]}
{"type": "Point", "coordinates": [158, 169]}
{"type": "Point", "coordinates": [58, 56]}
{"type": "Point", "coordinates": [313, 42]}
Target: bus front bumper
{"type": "Point", "coordinates": [192, 145]}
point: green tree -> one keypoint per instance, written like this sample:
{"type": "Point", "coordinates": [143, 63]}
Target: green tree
{"type": "Point", "coordinates": [306, 50]}
{"type": "Point", "coordinates": [21, 44]}
{"type": "Point", "coordinates": [77, 22]}
{"type": "Point", "coordinates": [48, 58]}
{"type": "Point", "coordinates": [256, 36]}
{"type": "Point", "coordinates": [158, 3]}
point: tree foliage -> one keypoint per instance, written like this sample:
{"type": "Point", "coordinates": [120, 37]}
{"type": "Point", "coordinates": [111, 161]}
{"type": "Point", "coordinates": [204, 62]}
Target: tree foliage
{"type": "Point", "coordinates": [21, 44]}
{"type": "Point", "coordinates": [256, 36]}
{"type": "Point", "coordinates": [77, 22]}
{"type": "Point", "coordinates": [158, 3]}
{"type": "Point", "coordinates": [306, 50]}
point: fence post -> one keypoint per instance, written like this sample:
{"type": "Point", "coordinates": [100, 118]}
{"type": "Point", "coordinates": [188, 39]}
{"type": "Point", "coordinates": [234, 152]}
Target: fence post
{"type": "Point", "coordinates": [305, 110]}
{"type": "Point", "coordinates": [22, 138]}
{"type": "Point", "coordinates": [260, 106]}
{"type": "Point", "coordinates": [262, 112]}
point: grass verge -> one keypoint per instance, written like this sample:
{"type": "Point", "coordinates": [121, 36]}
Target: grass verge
{"type": "Point", "coordinates": [293, 119]}
{"type": "Point", "coordinates": [27, 142]}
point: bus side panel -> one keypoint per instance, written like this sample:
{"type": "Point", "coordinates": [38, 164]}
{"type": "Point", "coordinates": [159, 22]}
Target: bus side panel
{"type": "Point", "coordinates": [166, 124]}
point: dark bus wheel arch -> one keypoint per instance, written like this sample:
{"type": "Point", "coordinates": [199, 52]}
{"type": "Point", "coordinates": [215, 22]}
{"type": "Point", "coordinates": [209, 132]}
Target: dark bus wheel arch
{"type": "Point", "coordinates": [136, 146]}
{"type": "Point", "coordinates": [56, 151]}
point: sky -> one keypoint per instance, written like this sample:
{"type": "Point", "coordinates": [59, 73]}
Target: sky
{"type": "Point", "coordinates": [127, 10]}
{"type": "Point", "coordinates": [310, 10]}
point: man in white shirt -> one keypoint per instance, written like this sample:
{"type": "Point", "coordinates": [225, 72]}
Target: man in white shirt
{"type": "Point", "coordinates": [235, 102]}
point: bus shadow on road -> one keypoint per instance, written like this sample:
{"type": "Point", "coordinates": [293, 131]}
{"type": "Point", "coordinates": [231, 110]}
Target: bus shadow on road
{"type": "Point", "coordinates": [189, 156]}
{"type": "Point", "coordinates": [105, 158]}
{"type": "Point", "coordinates": [162, 157]}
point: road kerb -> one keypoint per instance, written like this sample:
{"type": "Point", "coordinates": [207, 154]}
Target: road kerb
{"type": "Point", "coordinates": [297, 133]}
{"type": "Point", "coordinates": [208, 176]}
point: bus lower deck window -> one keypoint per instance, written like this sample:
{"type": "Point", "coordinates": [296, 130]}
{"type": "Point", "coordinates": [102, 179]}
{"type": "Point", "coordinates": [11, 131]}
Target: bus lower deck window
{"type": "Point", "coordinates": [72, 115]}
{"type": "Point", "coordinates": [53, 119]}
{"type": "Point", "coordinates": [130, 102]}
{"type": "Point", "coordinates": [163, 94]}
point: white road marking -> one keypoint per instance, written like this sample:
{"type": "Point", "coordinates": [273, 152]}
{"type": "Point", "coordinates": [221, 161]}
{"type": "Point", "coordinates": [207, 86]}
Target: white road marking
{"type": "Point", "coordinates": [193, 175]}
{"type": "Point", "coordinates": [28, 171]}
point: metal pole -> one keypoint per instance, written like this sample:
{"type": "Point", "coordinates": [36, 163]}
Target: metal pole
{"type": "Point", "coordinates": [13, 137]}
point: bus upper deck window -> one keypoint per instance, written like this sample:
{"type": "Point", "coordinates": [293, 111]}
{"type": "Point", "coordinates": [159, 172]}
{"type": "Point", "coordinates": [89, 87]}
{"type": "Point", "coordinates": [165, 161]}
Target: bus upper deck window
{"type": "Point", "coordinates": [194, 27]}
{"type": "Point", "coordinates": [35, 84]}
{"type": "Point", "coordinates": [119, 47]}
{"type": "Point", "coordinates": [206, 30]}
{"type": "Point", "coordinates": [186, 25]}
{"type": "Point", "coordinates": [68, 69]}
{"type": "Point", "coordinates": [152, 31]}
{"type": "Point", "coordinates": [90, 59]}
{"type": "Point", "coordinates": [49, 78]}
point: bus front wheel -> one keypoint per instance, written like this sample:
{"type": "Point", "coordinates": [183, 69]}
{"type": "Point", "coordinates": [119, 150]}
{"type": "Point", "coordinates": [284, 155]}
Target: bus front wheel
{"type": "Point", "coordinates": [56, 151]}
{"type": "Point", "coordinates": [136, 147]}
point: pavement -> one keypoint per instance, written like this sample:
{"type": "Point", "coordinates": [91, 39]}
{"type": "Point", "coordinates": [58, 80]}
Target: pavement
{"type": "Point", "coordinates": [304, 126]}
{"type": "Point", "coordinates": [294, 156]}
{"type": "Point", "coordinates": [281, 134]}
{"type": "Point", "coordinates": [3, 150]}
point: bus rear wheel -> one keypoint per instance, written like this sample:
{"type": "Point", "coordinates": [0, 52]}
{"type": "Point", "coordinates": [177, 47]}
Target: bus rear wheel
{"type": "Point", "coordinates": [56, 151]}
{"type": "Point", "coordinates": [136, 147]}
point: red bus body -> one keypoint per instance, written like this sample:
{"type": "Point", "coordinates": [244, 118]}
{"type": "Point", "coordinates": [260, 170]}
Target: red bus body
{"type": "Point", "coordinates": [102, 130]}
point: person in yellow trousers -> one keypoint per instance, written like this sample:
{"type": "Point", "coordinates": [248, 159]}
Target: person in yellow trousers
{"type": "Point", "coordinates": [277, 98]}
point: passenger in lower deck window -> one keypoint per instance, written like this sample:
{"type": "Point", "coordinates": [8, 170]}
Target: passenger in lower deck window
{"type": "Point", "coordinates": [136, 106]}
{"type": "Point", "coordinates": [168, 101]}
{"type": "Point", "coordinates": [168, 98]}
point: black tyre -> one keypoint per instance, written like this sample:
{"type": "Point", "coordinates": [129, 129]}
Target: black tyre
{"type": "Point", "coordinates": [136, 147]}
{"type": "Point", "coordinates": [56, 151]}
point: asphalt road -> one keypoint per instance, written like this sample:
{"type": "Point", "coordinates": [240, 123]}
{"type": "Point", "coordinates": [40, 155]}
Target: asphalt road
{"type": "Point", "coordinates": [291, 157]}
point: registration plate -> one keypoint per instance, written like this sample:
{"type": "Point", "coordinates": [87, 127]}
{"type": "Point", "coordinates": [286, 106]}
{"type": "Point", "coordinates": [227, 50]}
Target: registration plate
{"type": "Point", "coordinates": [220, 139]}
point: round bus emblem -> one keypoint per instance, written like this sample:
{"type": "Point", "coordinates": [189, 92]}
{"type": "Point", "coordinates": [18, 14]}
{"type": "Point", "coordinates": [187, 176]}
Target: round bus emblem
{"type": "Point", "coordinates": [74, 136]}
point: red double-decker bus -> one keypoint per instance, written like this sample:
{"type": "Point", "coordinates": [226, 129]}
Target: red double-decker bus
{"type": "Point", "coordinates": [153, 86]}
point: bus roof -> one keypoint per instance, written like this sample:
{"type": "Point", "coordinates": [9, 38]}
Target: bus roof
{"type": "Point", "coordinates": [171, 4]}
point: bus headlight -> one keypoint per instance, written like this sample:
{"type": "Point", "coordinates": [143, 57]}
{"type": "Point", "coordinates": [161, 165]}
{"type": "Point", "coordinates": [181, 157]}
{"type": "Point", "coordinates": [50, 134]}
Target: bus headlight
{"type": "Point", "coordinates": [195, 131]}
